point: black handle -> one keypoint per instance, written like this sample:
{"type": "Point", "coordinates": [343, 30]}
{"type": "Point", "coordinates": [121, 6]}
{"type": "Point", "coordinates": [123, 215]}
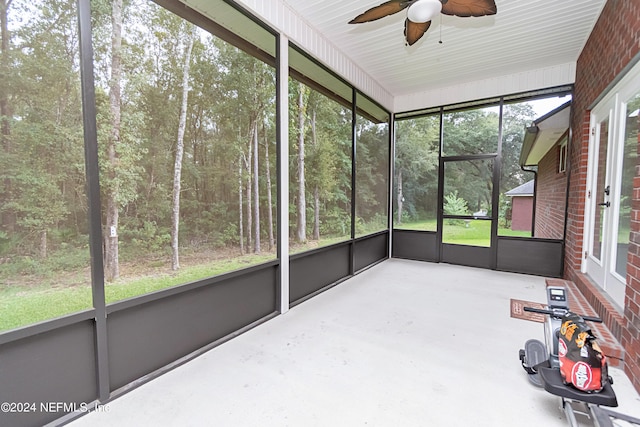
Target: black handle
{"type": "Point", "coordinates": [605, 204]}
{"type": "Point", "coordinates": [559, 313]}
{"type": "Point", "coordinates": [538, 310]}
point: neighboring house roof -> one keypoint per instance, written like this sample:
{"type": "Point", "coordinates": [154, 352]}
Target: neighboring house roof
{"type": "Point", "coordinates": [525, 189]}
{"type": "Point", "coordinates": [544, 134]}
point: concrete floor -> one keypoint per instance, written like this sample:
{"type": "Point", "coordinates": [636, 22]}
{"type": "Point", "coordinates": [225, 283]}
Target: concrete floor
{"type": "Point", "coordinates": [403, 344]}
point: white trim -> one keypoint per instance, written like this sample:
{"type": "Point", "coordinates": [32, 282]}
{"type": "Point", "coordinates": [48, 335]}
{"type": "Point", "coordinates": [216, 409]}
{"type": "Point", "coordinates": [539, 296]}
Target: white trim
{"type": "Point", "coordinates": [541, 78]}
{"type": "Point", "coordinates": [613, 104]}
{"type": "Point", "coordinates": [562, 156]}
{"type": "Point", "coordinates": [283, 194]}
{"type": "Point", "coordinates": [281, 17]}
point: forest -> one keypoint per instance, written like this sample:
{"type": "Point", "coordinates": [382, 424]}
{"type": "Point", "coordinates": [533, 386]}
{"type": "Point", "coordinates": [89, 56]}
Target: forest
{"type": "Point", "coordinates": [187, 150]}
{"type": "Point", "coordinates": [467, 183]}
{"type": "Point", "coordinates": [186, 136]}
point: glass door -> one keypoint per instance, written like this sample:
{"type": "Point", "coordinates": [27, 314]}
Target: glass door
{"type": "Point", "coordinates": [468, 219]}
{"type": "Point", "coordinates": [623, 172]}
{"type": "Point", "coordinates": [615, 137]}
{"type": "Point", "coordinates": [600, 191]}
{"type": "Point", "coordinates": [467, 204]}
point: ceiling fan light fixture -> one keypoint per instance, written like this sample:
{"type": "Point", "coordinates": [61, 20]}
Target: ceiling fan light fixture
{"type": "Point", "coordinates": [424, 10]}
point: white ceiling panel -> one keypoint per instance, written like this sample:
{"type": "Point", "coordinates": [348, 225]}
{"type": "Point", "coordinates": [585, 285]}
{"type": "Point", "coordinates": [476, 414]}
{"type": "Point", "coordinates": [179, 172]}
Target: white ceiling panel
{"type": "Point", "coordinates": [524, 35]}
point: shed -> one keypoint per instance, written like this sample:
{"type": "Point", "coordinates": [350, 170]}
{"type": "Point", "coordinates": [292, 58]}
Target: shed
{"type": "Point", "coordinates": [522, 206]}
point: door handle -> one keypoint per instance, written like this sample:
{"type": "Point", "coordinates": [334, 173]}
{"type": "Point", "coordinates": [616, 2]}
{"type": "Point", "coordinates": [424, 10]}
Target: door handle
{"type": "Point", "coordinates": [605, 204]}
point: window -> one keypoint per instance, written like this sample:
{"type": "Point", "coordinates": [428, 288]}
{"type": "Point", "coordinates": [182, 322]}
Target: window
{"type": "Point", "coordinates": [320, 151]}
{"type": "Point", "coordinates": [562, 156]}
{"type": "Point", "coordinates": [44, 252]}
{"type": "Point", "coordinates": [468, 186]}
{"type": "Point", "coordinates": [471, 131]}
{"type": "Point", "coordinates": [372, 167]}
{"type": "Point", "coordinates": [523, 213]}
{"type": "Point", "coordinates": [186, 129]}
{"type": "Point", "coordinates": [415, 202]}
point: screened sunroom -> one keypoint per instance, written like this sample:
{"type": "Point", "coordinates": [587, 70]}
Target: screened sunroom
{"type": "Point", "coordinates": [177, 173]}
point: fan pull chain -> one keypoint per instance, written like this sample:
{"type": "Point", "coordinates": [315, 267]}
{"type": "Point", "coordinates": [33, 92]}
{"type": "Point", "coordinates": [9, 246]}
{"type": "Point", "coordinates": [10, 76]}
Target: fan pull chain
{"type": "Point", "coordinates": [440, 41]}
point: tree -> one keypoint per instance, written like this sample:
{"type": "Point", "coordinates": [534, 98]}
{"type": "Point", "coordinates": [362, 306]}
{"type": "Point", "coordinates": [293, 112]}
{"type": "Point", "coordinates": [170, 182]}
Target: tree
{"type": "Point", "coordinates": [177, 174]}
{"type": "Point", "coordinates": [256, 190]}
{"type": "Point", "coordinates": [301, 223]}
{"type": "Point", "coordinates": [516, 117]}
{"type": "Point", "coordinates": [269, 193]}
{"type": "Point", "coordinates": [372, 164]}
{"type": "Point", "coordinates": [471, 132]}
{"type": "Point", "coordinates": [7, 219]}
{"type": "Point", "coordinates": [416, 164]}
{"type": "Point", "coordinates": [111, 245]}
{"type": "Point", "coordinates": [316, 185]}
{"type": "Point", "coordinates": [44, 128]}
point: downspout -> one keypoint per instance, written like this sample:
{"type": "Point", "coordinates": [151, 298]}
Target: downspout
{"type": "Point", "coordinates": [535, 198]}
{"type": "Point", "coordinates": [532, 129]}
{"type": "Point", "coordinates": [566, 201]}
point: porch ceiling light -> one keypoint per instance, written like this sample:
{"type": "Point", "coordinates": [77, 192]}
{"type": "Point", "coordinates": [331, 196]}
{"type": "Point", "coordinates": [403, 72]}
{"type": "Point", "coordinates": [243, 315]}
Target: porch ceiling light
{"type": "Point", "coordinates": [423, 10]}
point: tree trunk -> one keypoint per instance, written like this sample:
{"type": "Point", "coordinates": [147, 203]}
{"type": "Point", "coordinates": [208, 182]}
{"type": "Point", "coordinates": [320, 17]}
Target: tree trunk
{"type": "Point", "coordinates": [7, 219]}
{"type": "Point", "coordinates": [316, 213]}
{"type": "Point", "coordinates": [112, 266]}
{"type": "Point", "coordinates": [269, 196]}
{"type": "Point", "coordinates": [256, 191]}
{"type": "Point", "coordinates": [247, 165]}
{"type": "Point", "coordinates": [177, 169]}
{"type": "Point", "coordinates": [240, 206]}
{"type": "Point", "coordinates": [43, 244]}
{"type": "Point", "coordinates": [400, 196]}
{"type": "Point", "coordinates": [316, 189]}
{"type": "Point", "coordinates": [5, 37]}
{"type": "Point", "coordinates": [302, 204]}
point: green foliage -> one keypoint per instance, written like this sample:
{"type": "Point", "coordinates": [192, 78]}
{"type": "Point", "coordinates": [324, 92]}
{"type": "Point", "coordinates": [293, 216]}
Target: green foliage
{"type": "Point", "coordinates": [416, 163]}
{"type": "Point", "coordinates": [337, 222]}
{"type": "Point", "coordinates": [5, 242]}
{"type": "Point", "coordinates": [376, 223]}
{"type": "Point", "coordinates": [327, 162]}
{"type": "Point", "coordinates": [372, 170]}
{"type": "Point", "coordinates": [145, 238]}
{"type": "Point", "coordinates": [454, 205]}
{"type": "Point", "coordinates": [65, 260]}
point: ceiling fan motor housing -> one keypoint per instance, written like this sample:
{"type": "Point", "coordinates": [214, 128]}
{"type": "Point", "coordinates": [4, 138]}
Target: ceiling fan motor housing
{"type": "Point", "coordinates": [424, 10]}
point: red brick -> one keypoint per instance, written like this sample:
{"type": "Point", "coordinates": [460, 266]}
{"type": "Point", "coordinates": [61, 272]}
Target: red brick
{"type": "Point", "coordinates": [611, 45]}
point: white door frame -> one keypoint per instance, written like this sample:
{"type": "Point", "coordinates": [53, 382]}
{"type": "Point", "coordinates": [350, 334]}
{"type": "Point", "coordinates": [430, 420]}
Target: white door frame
{"type": "Point", "coordinates": [603, 270]}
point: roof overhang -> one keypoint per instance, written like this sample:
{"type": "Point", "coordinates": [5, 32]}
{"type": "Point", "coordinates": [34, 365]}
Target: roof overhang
{"type": "Point", "coordinates": [544, 134]}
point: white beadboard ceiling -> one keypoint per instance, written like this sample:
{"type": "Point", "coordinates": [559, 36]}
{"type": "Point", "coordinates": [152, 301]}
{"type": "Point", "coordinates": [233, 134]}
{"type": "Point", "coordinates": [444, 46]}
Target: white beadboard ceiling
{"type": "Point", "coordinates": [524, 36]}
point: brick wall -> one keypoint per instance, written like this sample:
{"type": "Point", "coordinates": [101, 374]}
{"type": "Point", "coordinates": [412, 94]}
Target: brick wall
{"type": "Point", "coordinates": [522, 213]}
{"type": "Point", "coordinates": [631, 331]}
{"type": "Point", "coordinates": [614, 41]}
{"type": "Point", "coordinates": [551, 197]}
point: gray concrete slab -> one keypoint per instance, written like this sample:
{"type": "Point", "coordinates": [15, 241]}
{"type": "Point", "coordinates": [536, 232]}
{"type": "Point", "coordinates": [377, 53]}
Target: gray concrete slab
{"type": "Point", "coordinates": [402, 344]}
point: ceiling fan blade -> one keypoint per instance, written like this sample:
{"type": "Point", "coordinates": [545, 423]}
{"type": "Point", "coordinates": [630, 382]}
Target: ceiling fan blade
{"type": "Point", "coordinates": [385, 9]}
{"type": "Point", "coordinates": [469, 7]}
{"type": "Point", "coordinates": [414, 30]}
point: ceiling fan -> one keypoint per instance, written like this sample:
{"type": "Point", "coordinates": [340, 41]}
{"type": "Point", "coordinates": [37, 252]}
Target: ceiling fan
{"type": "Point", "coordinates": [420, 13]}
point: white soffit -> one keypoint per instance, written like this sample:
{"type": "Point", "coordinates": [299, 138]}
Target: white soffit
{"type": "Point", "coordinates": [545, 133]}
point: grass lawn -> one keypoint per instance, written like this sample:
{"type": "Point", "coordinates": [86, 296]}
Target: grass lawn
{"type": "Point", "coordinates": [22, 305]}
{"type": "Point", "coordinates": [68, 292]}
{"type": "Point", "coordinates": [475, 232]}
